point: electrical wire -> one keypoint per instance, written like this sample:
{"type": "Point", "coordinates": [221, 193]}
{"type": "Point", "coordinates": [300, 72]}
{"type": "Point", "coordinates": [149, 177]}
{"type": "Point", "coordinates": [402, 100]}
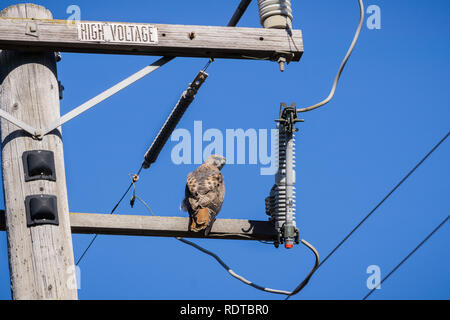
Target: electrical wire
{"type": "Point", "coordinates": [248, 282]}
{"type": "Point", "coordinates": [112, 211]}
{"type": "Point", "coordinates": [344, 62]}
{"type": "Point", "coordinates": [211, 60]}
{"type": "Point", "coordinates": [386, 197]}
{"type": "Point", "coordinates": [229, 270]}
{"type": "Point", "coordinates": [383, 200]}
{"type": "Point", "coordinates": [313, 270]}
{"type": "Point", "coordinates": [145, 204]}
{"type": "Point", "coordinates": [254, 285]}
{"type": "Point", "coordinates": [408, 256]}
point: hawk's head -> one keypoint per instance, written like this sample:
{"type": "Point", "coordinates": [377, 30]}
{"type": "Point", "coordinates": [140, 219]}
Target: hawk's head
{"type": "Point", "coordinates": [216, 161]}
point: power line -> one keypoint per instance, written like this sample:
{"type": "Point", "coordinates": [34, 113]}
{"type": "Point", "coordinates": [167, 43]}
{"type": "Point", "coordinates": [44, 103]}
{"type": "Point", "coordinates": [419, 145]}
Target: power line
{"type": "Point", "coordinates": [246, 281]}
{"type": "Point", "coordinates": [386, 197]}
{"type": "Point", "coordinates": [112, 211]}
{"type": "Point", "coordinates": [344, 62]}
{"type": "Point", "coordinates": [383, 200]}
{"type": "Point", "coordinates": [408, 256]}
{"type": "Point", "coordinates": [254, 285]}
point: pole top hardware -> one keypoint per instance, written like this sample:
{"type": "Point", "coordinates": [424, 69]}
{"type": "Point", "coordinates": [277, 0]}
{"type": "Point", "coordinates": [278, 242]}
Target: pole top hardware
{"type": "Point", "coordinates": [289, 117]}
{"type": "Point", "coordinates": [197, 83]}
{"type": "Point", "coordinates": [283, 57]}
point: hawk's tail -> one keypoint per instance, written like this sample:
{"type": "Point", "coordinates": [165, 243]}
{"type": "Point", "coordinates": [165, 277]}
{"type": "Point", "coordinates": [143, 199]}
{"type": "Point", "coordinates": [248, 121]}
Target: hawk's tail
{"type": "Point", "coordinates": [202, 221]}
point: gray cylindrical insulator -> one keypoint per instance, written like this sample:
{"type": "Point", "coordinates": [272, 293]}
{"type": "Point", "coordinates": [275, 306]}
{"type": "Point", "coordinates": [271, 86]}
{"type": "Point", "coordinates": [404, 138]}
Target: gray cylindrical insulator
{"type": "Point", "coordinates": [281, 204]}
{"type": "Point", "coordinates": [290, 224]}
{"type": "Point", "coordinates": [276, 14]}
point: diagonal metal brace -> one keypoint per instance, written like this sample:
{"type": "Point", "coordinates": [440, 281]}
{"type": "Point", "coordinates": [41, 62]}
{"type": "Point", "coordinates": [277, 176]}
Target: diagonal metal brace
{"type": "Point", "coordinates": [39, 133]}
{"type": "Point", "coordinates": [107, 94]}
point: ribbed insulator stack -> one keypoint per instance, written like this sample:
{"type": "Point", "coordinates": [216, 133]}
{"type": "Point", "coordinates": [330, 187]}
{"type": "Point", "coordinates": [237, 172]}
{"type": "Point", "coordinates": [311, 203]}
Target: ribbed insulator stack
{"type": "Point", "coordinates": [275, 14]}
{"type": "Point", "coordinates": [280, 181]}
{"type": "Point", "coordinates": [285, 180]}
{"type": "Point", "coordinates": [290, 227]}
{"type": "Point", "coordinates": [281, 204]}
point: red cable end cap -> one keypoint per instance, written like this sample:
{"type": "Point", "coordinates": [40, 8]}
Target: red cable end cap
{"type": "Point", "coordinates": [288, 246]}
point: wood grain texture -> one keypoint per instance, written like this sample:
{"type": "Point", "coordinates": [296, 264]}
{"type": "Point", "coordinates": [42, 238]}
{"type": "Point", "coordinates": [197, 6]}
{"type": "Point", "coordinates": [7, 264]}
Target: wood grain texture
{"type": "Point", "coordinates": [174, 40]}
{"type": "Point", "coordinates": [40, 258]}
{"type": "Point", "coordinates": [89, 223]}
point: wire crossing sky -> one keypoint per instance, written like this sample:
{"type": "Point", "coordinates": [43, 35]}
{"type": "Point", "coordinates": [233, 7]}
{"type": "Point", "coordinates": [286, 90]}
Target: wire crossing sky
{"type": "Point", "coordinates": [386, 197]}
{"type": "Point", "coordinates": [390, 107]}
{"type": "Point", "coordinates": [408, 256]}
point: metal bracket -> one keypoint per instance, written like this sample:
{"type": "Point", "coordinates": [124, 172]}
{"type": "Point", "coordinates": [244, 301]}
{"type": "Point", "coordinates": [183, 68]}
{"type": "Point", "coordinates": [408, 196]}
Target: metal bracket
{"type": "Point", "coordinates": [197, 83]}
{"type": "Point", "coordinates": [32, 29]}
{"type": "Point", "coordinates": [39, 165]}
{"type": "Point", "coordinates": [41, 210]}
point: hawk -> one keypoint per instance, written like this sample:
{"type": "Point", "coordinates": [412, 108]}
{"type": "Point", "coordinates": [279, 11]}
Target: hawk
{"type": "Point", "coordinates": [204, 194]}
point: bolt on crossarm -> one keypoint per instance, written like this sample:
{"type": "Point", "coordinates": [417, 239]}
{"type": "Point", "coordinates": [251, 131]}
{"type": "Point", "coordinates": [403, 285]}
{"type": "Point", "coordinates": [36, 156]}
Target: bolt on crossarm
{"type": "Point", "coordinates": [277, 14]}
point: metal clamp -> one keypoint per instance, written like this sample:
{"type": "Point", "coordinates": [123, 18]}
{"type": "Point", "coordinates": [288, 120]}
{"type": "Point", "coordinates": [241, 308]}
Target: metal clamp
{"type": "Point", "coordinates": [197, 83]}
{"type": "Point", "coordinates": [289, 117]}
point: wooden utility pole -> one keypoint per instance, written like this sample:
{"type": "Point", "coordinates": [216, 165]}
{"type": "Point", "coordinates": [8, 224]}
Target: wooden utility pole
{"type": "Point", "coordinates": [40, 256]}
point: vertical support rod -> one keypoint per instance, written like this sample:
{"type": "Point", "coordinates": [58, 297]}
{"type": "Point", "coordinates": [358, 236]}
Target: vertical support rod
{"type": "Point", "coordinates": [40, 257]}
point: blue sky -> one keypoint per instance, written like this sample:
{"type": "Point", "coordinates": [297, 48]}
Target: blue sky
{"type": "Point", "coordinates": [392, 105]}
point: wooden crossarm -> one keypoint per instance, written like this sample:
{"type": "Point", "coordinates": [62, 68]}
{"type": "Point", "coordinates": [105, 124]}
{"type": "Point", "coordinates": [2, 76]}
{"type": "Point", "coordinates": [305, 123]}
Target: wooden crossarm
{"type": "Point", "coordinates": [133, 225]}
{"type": "Point", "coordinates": [150, 39]}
